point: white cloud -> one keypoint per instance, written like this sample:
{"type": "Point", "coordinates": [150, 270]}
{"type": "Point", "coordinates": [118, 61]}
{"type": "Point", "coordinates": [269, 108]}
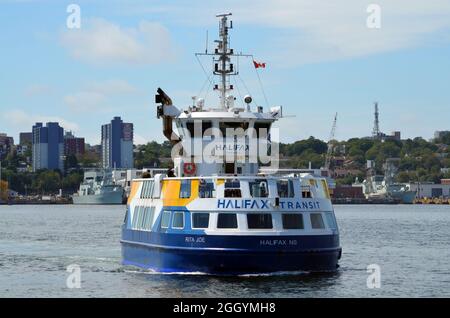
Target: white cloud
{"type": "Point", "coordinates": [101, 42]}
{"type": "Point", "coordinates": [319, 31]}
{"type": "Point", "coordinates": [24, 119]}
{"type": "Point", "coordinates": [314, 31]}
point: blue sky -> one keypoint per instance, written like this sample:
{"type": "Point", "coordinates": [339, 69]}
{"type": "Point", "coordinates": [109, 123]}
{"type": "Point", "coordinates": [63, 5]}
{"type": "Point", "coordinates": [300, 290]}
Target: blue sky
{"type": "Point", "coordinates": [321, 59]}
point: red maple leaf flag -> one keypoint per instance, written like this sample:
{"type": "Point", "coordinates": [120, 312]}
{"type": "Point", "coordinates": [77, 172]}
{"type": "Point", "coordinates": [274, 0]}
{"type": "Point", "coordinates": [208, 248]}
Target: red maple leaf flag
{"type": "Point", "coordinates": [258, 65]}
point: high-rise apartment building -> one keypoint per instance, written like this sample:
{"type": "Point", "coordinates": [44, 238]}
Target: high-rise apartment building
{"type": "Point", "coordinates": [48, 146]}
{"type": "Point", "coordinates": [117, 144]}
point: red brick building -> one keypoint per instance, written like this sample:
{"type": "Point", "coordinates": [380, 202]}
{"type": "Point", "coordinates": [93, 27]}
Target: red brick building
{"type": "Point", "coordinates": [73, 145]}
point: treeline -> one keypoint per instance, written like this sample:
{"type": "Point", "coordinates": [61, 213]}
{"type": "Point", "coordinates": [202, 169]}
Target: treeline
{"type": "Point", "coordinates": [152, 154]}
{"type": "Point", "coordinates": [299, 154]}
{"type": "Point", "coordinates": [42, 182]}
{"type": "Point", "coordinates": [419, 159]}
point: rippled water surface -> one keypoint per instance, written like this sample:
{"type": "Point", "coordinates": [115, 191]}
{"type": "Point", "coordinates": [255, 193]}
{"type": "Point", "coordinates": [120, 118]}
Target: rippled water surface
{"type": "Point", "coordinates": [411, 244]}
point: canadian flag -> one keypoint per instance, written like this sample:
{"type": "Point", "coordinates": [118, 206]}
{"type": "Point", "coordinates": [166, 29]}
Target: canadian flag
{"type": "Point", "coordinates": [258, 65]}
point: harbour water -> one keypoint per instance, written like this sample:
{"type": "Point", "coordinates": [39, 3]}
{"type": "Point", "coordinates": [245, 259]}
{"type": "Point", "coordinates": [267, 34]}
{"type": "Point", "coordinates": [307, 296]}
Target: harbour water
{"type": "Point", "coordinates": [411, 244]}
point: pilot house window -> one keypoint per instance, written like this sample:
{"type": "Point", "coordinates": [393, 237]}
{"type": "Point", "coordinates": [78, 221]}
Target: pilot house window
{"type": "Point", "coordinates": [230, 127]}
{"type": "Point", "coordinates": [193, 125]}
{"type": "Point", "coordinates": [262, 129]}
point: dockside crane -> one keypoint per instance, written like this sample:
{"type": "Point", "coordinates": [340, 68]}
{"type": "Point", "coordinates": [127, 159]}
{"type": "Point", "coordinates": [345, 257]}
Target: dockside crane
{"type": "Point", "coordinates": [330, 144]}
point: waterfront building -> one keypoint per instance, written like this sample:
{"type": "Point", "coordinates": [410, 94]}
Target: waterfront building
{"type": "Point", "coordinates": [349, 191]}
{"type": "Point", "coordinates": [6, 145]}
{"type": "Point", "coordinates": [117, 144]}
{"type": "Point", "coordinates": [73, 145]}
{"type": "Point", "coordinates": [48, 146]}
{"type": "Point", "coordinates": [431, 190]}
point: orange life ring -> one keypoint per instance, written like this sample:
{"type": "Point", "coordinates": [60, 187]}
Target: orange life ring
{"type": "Point", "coordinates": [189, 168]}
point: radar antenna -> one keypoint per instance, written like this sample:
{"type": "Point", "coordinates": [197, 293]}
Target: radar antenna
{"type": "Point", "coordinates": [376, 125]}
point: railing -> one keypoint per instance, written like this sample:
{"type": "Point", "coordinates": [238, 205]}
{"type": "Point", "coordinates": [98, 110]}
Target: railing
{"type": "Point", "coordinates": [231, 177]}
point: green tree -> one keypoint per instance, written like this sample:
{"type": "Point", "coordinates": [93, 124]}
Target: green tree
{"type": "Point", "coordinates": [72, 181]}
{"type": "Point", "coordinates": [403, 177]}
{"type": "Point", "coordinates": [151, 154]}
{"type": "Point", "coordinates": [297, 148]}
{"type": "Point", "coordinates": [71, 162]}
{"type": "Point", "coordinates": [47, 182]}
{"type": "Point", "coordinates": [89, 160]}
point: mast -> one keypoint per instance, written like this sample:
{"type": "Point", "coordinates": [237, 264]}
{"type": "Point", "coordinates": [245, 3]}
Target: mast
{"type": "Point", "coordinates": [222, 50]}
{"type": "Point", "coordinates": [222, 59]}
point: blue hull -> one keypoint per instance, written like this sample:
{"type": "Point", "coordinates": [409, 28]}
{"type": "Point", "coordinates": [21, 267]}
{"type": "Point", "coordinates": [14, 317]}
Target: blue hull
{"type": "Point", "coordinates": [238, 254]}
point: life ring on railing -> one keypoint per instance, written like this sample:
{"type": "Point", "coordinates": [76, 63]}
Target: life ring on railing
{"type": "Point", "coordinates": [189, 168]}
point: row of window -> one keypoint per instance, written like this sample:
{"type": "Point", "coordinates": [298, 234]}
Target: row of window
{"type": "Point", "coordinates": [258, 189]}
{"type": "Point", "coordinates": [147, 189]}
{"type": "Point", "coordinates": [291, 221]}
{"type": "Point", "coordinates": [143, 218]}
{"type": "Point", "coordinates": [259, 128]}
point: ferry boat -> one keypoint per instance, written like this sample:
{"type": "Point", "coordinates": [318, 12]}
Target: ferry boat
{"type": "Point", "coordinates": [226, 217]}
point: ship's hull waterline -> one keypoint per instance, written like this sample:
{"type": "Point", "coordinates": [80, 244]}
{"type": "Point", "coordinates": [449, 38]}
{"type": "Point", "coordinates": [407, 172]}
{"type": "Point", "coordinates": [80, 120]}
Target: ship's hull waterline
{"type": "Point", "coordinates": [227, 255]}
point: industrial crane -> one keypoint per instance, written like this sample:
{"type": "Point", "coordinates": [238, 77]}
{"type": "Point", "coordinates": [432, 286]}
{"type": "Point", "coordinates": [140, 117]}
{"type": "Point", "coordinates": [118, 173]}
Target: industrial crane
{"type": "Point", "coordinates": [330, 145]}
